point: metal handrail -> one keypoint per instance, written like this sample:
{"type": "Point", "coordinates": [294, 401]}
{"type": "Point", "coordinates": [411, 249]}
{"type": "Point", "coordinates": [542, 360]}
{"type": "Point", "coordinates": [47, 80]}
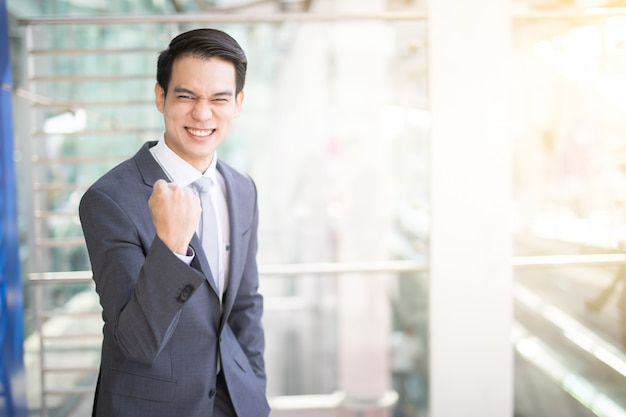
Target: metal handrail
{"type": "Point", "coordinates": [59, 242]}
{"type": "Point", "coordinates": [89, 77]}
{"type": "Point", "coordinates": [39, 214]}
{"type": "Point", "coordinates": [224, 18]}
{"type": "Point", "coordinates": [99, 51]}
{"type": "Point", "coordinates": [322, 268]}
{"type": "Point", "coordinates": [36, 278]}
{"type": "Point", "coordinates": [75, 391]}
{"type": "Point", "coordinates": [103, 131]}
{"type": "Point", "coordinates": [569, 14]}
{"type": "Point", "coordinates": [36, 159]}
{"type": "Point", "coordinates": [362, 267]}
{"type": "Point", "coordinates": [100, 103]}
{"type": "Point", "coordinates": [517, 15]}
{"type": "Point", "coordinates": [72, 336]}
{"type": "Point", "coordinates": [564, 260]}
{"type": "Point", "coordinates": [72, 369]}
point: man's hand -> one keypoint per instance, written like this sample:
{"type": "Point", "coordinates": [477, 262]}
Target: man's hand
{"type": "Point", "coordinates": [176, 214]}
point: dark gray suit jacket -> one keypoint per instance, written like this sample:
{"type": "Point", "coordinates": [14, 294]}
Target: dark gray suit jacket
{"type": "Point", "coordinates": [163, 325]}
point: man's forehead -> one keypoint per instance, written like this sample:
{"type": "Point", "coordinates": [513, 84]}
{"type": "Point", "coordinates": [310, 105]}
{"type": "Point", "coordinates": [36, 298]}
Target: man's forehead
{"type": "Point", "coordinates": [192, 69]}
{"type": "Point", "coordinates": [187, 58]}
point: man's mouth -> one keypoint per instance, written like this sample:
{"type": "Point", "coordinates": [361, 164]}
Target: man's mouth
{"type": "Point", "coordinates": [200, 132]}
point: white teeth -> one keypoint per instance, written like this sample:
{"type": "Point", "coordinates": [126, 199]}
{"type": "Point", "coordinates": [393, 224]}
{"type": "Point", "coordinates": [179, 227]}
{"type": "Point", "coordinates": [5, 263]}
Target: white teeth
{"type": "Point", "coordinates": [196, 132]}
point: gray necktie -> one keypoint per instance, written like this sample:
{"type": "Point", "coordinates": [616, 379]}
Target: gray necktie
{"type": "Point", "coordinates": [208, 226]}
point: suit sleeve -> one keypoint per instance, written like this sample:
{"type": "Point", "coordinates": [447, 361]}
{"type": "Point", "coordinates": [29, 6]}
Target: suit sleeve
{"type": "Point", "coordinates": [142, 285]}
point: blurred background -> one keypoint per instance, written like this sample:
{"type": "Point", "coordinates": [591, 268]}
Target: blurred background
{"type": "Point", "coordinates": [338, 97]}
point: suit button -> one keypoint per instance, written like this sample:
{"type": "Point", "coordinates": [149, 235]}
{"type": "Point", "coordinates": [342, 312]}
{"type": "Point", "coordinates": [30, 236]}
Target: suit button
{"type": "Point", "coordinates": [212, 393]}
{"type": "Point", "coordinates": [185, 293]}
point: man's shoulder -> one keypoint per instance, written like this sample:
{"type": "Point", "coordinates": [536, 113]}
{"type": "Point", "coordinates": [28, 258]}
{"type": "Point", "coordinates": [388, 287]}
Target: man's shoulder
{"type": "Point", "coordinates": [119, 175]}
{"type": "Point", "coordinates": [126, 174]}
{"type": "Point", "coordinates": [238, 182]}
{"type": "Point", "coordinates": [229, 172]}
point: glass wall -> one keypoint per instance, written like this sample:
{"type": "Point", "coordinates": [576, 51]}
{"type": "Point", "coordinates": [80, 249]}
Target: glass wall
{"type": "Point", "coordinates": [570, 184]}
{"type": "Point", "coordinates": [334, 132]}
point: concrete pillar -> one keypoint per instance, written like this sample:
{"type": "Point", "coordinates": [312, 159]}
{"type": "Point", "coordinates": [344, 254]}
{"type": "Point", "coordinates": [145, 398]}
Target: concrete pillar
{"type": "Point", "coordinates": [470, 280]}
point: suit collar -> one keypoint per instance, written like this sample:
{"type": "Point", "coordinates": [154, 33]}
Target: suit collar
{"type": "Point", "coordinates": [148, 167]}
{"type": "Point", "coordinates": [178, 169]}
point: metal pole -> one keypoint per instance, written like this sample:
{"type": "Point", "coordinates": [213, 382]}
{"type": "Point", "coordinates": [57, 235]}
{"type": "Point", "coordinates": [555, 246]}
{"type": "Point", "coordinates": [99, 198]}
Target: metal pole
{"type": "Point", "coordinates": [223, 18]}
{"type": "Point", "coordinates": [12, 381]}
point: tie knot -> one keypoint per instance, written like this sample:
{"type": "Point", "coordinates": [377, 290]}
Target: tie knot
{"type": "Point", "coordinates": [202, 184]}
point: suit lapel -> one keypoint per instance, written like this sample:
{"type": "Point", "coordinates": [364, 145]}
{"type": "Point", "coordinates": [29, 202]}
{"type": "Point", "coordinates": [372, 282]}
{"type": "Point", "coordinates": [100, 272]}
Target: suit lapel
{"type": "Point", "coordinates": [239, 224]}
{"type": "Point", "coordinates": [148, 167]}
{"type": "Point", "coordinates": [203, 261]}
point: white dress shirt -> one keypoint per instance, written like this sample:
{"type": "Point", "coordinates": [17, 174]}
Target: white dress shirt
{"type": "Point", "coordinates": [183, 174]}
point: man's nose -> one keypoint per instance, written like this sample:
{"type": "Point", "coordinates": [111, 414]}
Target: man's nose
{"type": "Point", "coordinates": [202, 110]}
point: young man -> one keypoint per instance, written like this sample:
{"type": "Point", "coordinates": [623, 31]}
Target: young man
{"type": "Point", "coordinates": [182, 334]}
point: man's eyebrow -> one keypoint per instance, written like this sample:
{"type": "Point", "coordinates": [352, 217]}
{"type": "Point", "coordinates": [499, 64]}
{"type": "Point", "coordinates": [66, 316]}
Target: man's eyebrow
{"type": "Point", "coordinates": [179, 89]}
{"type": "Point", "coordinates": [223, 93]}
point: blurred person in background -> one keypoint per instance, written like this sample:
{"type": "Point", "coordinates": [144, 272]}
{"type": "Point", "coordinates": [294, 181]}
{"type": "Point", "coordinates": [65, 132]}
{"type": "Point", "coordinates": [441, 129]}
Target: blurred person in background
{"type": "Point", "coordinates": [182, 328]}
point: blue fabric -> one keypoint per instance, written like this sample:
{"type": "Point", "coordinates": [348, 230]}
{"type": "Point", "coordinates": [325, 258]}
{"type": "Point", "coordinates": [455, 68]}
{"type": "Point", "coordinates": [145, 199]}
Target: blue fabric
{"type": "Point", "coordinates": [12, 384]}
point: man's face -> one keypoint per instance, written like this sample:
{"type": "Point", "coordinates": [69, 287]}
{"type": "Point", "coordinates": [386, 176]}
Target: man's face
{"type": "Point", "coordinates": [199, 107]}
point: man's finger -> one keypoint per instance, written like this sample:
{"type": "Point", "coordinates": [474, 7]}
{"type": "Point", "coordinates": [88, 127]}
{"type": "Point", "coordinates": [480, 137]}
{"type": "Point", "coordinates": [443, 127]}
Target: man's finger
{"type": "Point", "coordinates": [159, 183]}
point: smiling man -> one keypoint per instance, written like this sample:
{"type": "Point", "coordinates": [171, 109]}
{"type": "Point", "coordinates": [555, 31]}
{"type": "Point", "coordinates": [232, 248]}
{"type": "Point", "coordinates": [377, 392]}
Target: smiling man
{"type": "Point", "coordinates": [174, 262]}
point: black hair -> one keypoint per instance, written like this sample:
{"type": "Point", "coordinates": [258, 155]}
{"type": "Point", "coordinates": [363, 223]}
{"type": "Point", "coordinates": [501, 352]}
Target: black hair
{"type": "Point", "coordinates": [204, 44]}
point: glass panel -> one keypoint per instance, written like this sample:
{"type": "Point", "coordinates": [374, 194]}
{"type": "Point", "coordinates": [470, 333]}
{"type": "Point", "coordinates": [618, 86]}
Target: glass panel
{"type": "Point", "coordinates": [569, 111]}
{"type": "Point", "coordinates": [334, 132]}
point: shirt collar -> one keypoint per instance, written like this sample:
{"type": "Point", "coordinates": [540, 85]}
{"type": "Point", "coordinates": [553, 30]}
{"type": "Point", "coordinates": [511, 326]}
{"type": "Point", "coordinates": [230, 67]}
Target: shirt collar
{"type": "Point", "coordinates": [177, 169]}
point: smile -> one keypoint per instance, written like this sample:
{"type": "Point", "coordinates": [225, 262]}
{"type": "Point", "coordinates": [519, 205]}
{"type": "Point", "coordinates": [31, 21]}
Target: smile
{"type": "Point", "coordinates": [200, 132]}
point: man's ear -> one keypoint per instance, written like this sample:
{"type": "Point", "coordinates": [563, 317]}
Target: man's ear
{"type": "Point", "coordinates": [159, 97]}
{"type": "Point", "coordinates": [238, 101]}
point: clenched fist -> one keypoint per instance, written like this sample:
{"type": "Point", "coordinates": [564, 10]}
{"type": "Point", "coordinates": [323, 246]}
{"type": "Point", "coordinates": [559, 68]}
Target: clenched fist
{"type": "Point", "coordinates": [176, 214]}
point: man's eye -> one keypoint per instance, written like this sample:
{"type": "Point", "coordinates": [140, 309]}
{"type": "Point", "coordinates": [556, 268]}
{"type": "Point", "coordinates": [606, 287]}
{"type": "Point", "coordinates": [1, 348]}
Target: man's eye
{"type": "Point", "coordinates": [185, 98]}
